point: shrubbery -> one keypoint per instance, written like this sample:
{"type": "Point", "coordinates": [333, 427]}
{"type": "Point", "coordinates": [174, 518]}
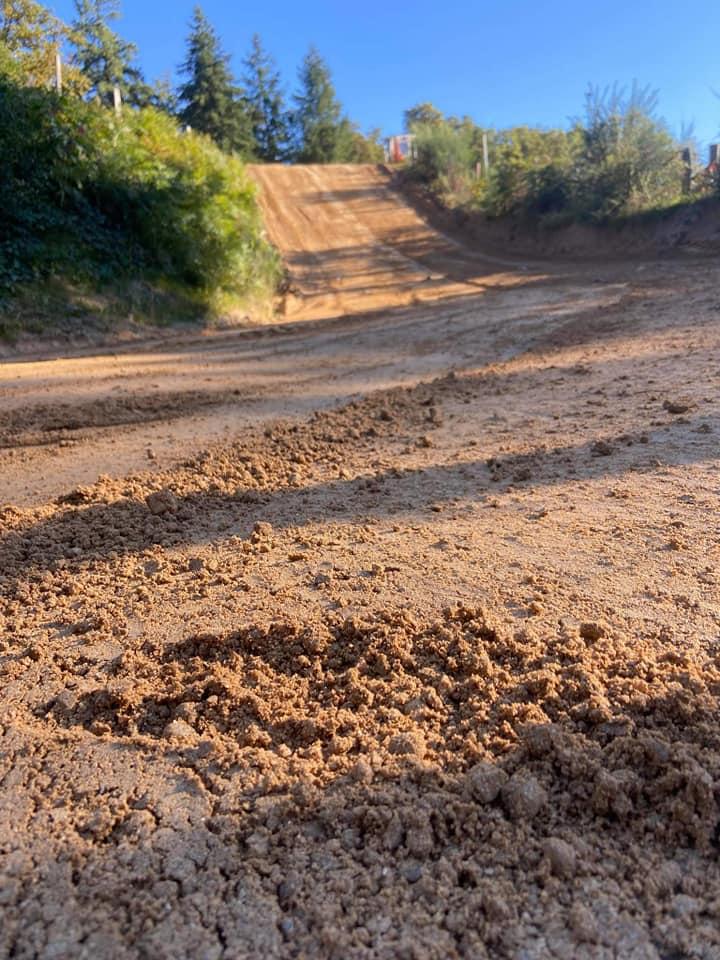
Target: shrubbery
{"type": "Point", "coordinates": [618, 159]}
{"type": "Point", "coordinates": [99, 198]}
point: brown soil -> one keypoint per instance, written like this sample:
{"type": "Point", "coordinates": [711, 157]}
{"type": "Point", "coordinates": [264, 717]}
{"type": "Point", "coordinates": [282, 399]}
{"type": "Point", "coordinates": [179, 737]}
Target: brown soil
{"type": "Point", "coordinates": [420, 661]}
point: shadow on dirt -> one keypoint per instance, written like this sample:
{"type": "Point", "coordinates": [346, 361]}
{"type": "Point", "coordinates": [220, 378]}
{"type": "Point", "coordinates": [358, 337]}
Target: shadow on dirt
{"type": "Point", "coordinates": [126, 527]}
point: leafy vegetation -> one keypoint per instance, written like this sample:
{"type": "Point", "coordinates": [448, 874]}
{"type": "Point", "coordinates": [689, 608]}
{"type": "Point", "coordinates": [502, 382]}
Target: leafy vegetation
{"type": "Point", "coordinates": [30, 37]}
{"type": "Point", "coordinates": [619, 158]}
{"type": "Point", "coordinates": [102, 200]}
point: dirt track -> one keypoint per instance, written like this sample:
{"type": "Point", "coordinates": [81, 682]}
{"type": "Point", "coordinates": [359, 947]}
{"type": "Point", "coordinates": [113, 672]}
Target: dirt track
{"type": "Point", "coordinates": [422, 660]}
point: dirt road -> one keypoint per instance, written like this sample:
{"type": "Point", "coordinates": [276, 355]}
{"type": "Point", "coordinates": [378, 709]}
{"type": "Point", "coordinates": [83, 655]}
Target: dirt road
{"type": "Point", "coordinates": [404, 638]}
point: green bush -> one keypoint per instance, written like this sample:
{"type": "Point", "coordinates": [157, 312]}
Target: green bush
{"type": "Point", "coordinates": [96, 198]}
{"type": "Point", "coordinates": [532, 172]}
{"type": "Point", "coordinates": [443, 157]}
{"type": "Point", "coordinates": [617, 160]}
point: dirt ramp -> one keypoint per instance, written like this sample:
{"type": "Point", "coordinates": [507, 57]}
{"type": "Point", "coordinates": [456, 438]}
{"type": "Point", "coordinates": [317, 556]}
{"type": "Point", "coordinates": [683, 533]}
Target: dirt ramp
{"type": "Point", "coordinates": [352, 244]}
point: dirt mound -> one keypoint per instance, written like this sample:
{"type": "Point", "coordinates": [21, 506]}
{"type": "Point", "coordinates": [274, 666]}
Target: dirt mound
{"type": "Point", "coordinates": [351, 243]}
{"type": "Point", "coordinates": [687, 229]}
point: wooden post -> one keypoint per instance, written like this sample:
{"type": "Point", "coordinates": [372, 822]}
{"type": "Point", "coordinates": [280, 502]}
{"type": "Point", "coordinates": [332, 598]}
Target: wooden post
{"type": "Point", "coordinates": [687, 170]}
{"type": "Point", "coordinates": [117, 99]}
{"type": "Point", "coordinates": [58, 72]}
{"type": "Point", "coordinates": [486, 155]}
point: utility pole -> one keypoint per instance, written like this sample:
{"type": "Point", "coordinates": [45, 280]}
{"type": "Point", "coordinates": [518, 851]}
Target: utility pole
{"type": "Point", "coordinates": [486, 154]}
{"type": "Point", "coordinates": [117, 100]}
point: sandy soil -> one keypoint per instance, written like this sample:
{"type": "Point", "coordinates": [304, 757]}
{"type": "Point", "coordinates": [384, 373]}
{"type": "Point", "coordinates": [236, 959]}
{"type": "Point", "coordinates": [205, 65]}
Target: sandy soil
{"type": "Point", "coordinates": [409, 648]}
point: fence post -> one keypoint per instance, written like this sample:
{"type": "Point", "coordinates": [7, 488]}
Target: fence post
{"type": "Point", "coordinates": [58, 72]}
{"type": "Point", "coordinates": [687, 170]}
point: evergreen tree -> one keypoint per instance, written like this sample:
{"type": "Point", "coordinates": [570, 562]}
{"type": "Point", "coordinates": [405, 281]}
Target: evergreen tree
{"type": "Point", "coordinates": [210, 100]}
{"type": "Point", "coordinates": [103, 56]}
{"type": "Point", "coordinates": [265, 104]}
{"type": "Point", "coordinates": [322, 134]}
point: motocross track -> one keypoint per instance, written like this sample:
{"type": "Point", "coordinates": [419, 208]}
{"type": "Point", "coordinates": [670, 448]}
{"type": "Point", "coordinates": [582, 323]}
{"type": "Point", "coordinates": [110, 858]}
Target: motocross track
{"type": "Point", "coordinates": [390, 631]}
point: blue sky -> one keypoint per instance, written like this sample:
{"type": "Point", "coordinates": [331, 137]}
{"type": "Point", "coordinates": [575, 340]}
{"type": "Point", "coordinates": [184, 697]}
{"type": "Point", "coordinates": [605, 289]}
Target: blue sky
{"type": "Point", "coordinates": [504, 62]}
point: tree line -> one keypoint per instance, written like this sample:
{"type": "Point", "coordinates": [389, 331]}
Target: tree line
{"type": "Point", "coordinates": [248, 115]}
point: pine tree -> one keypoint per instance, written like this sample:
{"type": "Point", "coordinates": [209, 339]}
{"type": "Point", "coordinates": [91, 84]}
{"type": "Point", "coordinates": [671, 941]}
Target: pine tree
{"type": "Point", "coordinates": [211, 101]}
{"type": "Point", "coordinates": [265, 103]}
{"type": "Point", "coordinates": [103, 56]}
{"type": "Point", "coordinates": [322, 134]}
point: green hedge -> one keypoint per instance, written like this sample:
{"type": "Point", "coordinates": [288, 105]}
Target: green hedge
{"type": "Point", "coordinates": [96, 198]}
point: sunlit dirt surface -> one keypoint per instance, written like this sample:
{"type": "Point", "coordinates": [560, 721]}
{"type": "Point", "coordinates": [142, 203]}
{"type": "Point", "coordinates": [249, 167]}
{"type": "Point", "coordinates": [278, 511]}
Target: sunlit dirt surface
{"type": "Point", "coordinates": [422, 660]}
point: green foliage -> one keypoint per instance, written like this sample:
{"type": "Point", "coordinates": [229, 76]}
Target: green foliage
{"type": "Point", "coordinates": [93, 198]}
{"type": "Point", "coordinates": [103, 57]}
{"type": "Point", "coordinates": [211, 101]}
{"type": "Point", "coordinates": [629, 160]}
{"type": "Point", "coordinates": [266, 105]}
{"type": "Point", "coordinates": [444, 156]}
{"type": "Point", "coordinates": [532, 171]}
{"type": "Point", "coordinates": [30, 36]}
{"type": "Point", "coordinates": [365, 148]}
{"type": "Point", "coordinates": [422, 115]}
{"type": "Point", "coordinates": [618, 159]}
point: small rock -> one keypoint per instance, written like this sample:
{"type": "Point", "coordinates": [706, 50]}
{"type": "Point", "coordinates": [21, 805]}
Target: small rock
{"type": "Point", "coordinates": [678, 406]}
{"type": "Point", "coordinates": [66, 700]}
{"type": "Point", "coordinates": [362, 772]}
{"type": "Point", "coordinates": [484, 781]}
{"type": "Point", "coordinates": [539, 739]}
{"type": "Point", "coordinates": [186, 711]}
{"type": "Point", "coordinates": [496, 909]}
{"type": "Point", "coordinates": [412, 872]}
{"type": "Point", "coordinates": [583, 924]}
{"type": "Point", "coordinates": [179, 730]}
{"type": "Point", "coordinates": [161, 502]}
{"type": "Point", "coordinates": [657, 752]}
{"type": "Point", "coordinates": [410, 744]}
{"type": "Point", "coordinates": [685, 906]}
{"type": "Point", "coordinates": [523, 797]}
{"type": "Point", "coordinates": [561, 857]}
{"type": "Point", "coordinates": [287, 927]}
{"type": "Point", "coordinates": [601, 448]}
{"type": "Point", "coordinates": [592, 631]}
{"type": "Point", "coordinates": [196, 564]}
